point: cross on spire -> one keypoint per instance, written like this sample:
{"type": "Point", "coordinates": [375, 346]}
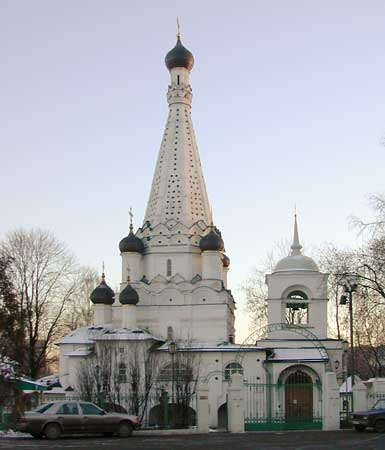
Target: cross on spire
{"type": "Point", "coordinates": [103, 274]}
{"type": "Point", "coordinates": [177, 28]}
{"type": "Point", "coordinates": [131, 215]}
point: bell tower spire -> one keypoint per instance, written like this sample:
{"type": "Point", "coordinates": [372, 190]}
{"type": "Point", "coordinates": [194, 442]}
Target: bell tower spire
{"type": "Point", "coordinates": [296, 247]}
{"type": "Point", "coordinates": [178, 189]}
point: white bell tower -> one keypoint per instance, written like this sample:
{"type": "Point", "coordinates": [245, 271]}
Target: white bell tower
{"type": "Point", "coordinates": [297, 291]}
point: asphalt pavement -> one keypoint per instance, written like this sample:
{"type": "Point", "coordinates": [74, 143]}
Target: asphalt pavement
{"type": "Point", "coordinates": [309, 440]}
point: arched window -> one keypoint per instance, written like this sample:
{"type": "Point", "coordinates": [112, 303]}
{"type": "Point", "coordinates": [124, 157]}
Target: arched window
{"type": "Point", "coordinates": [297, 311]}
{"type": "Point", "coordinates": [169, 268]}
{"type": "Point", "coordinates": [170, 333]}
{"type": "Point", "coordinates": [180, 373]}
{"type": "Point", "coordinates": [232, 368]}
{"type": "Point", "coordinates": [122, 377]}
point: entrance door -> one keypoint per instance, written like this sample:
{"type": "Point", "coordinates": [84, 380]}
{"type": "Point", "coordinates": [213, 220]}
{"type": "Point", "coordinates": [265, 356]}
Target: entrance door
{"type": "Point", "coordinates": [299, 397]}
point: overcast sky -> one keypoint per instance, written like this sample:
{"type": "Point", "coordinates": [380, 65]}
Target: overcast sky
{"type": "Point", "coordinates": [288, 108]}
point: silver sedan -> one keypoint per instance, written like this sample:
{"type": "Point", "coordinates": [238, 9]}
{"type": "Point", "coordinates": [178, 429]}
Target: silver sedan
{"type": "Point", "coordinates": [75, 417]}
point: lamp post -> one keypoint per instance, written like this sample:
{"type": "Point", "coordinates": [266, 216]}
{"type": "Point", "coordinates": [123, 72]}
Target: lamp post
{"type": "Point", "coordinates": [349, 285]}
{"type": "Point", "coordinates": [172, 348]}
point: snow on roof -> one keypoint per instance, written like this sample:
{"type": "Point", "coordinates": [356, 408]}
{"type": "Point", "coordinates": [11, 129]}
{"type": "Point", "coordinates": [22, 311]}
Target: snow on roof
{"type": "Point", "coordinates": [55, 391]}
{"type": "Point", "coordinates": [210, 347]}
{"type": "Point", "coordinates": [92, 333]}
{"type": "Point", "coordinates": [49, 380]}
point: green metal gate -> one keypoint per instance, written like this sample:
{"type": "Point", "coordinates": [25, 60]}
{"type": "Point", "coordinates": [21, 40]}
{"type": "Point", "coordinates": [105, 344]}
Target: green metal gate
{"type": "Point", "coordinates": [286, 406]}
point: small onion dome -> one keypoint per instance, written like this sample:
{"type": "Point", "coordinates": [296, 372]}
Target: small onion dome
{"type": "Point", "coordinates": [225, 261]}
{"type": "Point", "coordinates": [129, 296]}
{"type": "Point", "coordinates": [131, 243]}
{"type": "Point", "coordinates": [102, 294]}
{"type": "Point", "coordinates": [212, 241]}
{"type": "Point", "coordinates": [179, 56]}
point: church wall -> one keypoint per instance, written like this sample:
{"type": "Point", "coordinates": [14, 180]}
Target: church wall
{"type": "Point", "coordinates": [212, 370]}
{"type": "Point", "coordinates": [183, 263]}
{"type": "Point", "coordinates": [188, 321]}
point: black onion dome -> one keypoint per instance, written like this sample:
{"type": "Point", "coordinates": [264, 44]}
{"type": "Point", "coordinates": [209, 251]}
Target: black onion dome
{"type": "Point", "coordinates": [225, 260]}
{"type": "Point", "coordinates": [179, 56]}
{"type": "Point", "coordinates": [129, 296]}
{"type": "Point", "coordinates": [131, 243]}
{"type": "Point", "coordinates": [102, 294]}
{"type": "Point", "coordinates": [212, 241]}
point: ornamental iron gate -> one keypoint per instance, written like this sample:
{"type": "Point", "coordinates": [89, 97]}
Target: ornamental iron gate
{"type": "Point", "coordinates": [295, 404]}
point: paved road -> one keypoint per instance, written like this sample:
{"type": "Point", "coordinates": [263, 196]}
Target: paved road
{"type": "Point", "coordinates": [315, 440]}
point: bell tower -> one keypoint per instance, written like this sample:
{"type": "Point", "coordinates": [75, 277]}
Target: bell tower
{"type": "Point", "coordinates": [297, 291]}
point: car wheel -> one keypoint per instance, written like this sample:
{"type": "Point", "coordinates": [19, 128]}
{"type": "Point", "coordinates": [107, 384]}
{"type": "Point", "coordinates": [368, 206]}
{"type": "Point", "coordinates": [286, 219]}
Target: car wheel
{"type": "Point", "coordinates": [360, 427]}
{"type": "Point", "coordinates": [379, 426]}
{"type": "Point", "coordinates": [52, 431]}
{"type": "Point", "coordinates": [125, 429]}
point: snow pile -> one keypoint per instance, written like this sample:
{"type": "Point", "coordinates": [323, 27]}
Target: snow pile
{"type": "Point", "coordinates": [6, 434]}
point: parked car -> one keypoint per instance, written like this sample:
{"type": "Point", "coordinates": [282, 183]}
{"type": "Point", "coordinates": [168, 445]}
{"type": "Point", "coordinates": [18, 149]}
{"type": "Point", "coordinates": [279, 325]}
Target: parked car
{"type": "Point", "coordinates": [75, 417]}
{"type": "Point", "coordinates": [373, 418]}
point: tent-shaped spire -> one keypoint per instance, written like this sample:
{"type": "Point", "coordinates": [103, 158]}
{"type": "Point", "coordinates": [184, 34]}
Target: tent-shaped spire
{"type": "Point", "coordinates": [178, 189]}
{"type": "Point", "coordinates": [296, 247]}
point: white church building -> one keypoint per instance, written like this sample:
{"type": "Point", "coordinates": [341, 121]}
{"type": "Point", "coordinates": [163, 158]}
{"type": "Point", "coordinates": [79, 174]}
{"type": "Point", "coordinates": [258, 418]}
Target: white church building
{"type": "Point", "coordinates": [174, 298]}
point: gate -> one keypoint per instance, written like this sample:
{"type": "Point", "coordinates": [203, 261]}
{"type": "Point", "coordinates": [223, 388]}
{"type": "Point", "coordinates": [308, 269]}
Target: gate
{"type": "Point", "coordinates": [293, 405]}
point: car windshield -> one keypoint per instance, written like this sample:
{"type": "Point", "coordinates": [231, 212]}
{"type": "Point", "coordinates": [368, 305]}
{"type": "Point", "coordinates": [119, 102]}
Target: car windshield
{"type": "Point", "coordinates": [380, 404]}
{"type": "Point", "coordinates": [43, 408]}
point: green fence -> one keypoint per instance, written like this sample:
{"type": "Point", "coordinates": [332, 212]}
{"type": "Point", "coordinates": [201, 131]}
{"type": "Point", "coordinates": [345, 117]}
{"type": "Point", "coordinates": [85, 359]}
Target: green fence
{"type": "Point", "coordinates": [346, 409]}
{"type": "Point", "coordinates": [286, 406]}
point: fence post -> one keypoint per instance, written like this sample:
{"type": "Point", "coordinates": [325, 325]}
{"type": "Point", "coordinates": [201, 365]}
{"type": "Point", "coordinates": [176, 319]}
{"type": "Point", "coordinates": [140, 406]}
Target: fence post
{"type": "Point", "coordinates": [235, 404]}
{"type": "Point", "coordinates": [360, 397]}
{"type": "Point", "coordinates": [203, 410]}
{"type": "Point", "coordinates": [165, 409]}
{"type": "Point", "coordinates": [331, 402]}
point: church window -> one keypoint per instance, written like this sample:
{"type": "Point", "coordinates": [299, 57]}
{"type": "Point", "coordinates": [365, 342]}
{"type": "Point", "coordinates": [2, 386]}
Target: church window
{"type": "Point", "coordinates": [169, 268]}
{"type": "Point", "coordinates": [231, 369]}
{"type": "Point", "coordinates": [178, 77]}
{"type": "Point", "coordinates": [297, 310]}
{"type": "Point", "coordinates": [177, 372]}
{"type": "Point", "coordinates": [122, 373]}
{"type": "Point", "coordinates": [121, 350]}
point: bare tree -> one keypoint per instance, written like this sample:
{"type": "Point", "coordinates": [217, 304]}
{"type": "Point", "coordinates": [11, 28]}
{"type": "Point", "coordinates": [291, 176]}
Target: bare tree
{"type": "Point", "coordinates": [255, 289]}
{"type": "Point", "coordinates": [179, 377]}
{"type": "Point", "coordinates": [376, 225]}
{"type": "Point", "coordinates": [43, 273]}
{"type": "Point", "coordinates": [119, 375]}
{"type": "Point", "coordinates": [78, 312]}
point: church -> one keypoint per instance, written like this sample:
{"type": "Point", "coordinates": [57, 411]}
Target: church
{"type": "Point", "coordinates": [174, 298]}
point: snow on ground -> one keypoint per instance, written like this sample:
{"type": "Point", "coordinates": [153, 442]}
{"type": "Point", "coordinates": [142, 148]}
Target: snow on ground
{"type": "Point", "coordinates": [13, 434]}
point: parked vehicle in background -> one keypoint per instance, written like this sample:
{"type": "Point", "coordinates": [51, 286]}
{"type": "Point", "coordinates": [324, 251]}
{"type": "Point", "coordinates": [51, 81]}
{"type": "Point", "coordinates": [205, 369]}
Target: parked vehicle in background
{"type": "Point", "coordinates": [373, 418]}
{"type": "Point", "coordinates": [55, 419]}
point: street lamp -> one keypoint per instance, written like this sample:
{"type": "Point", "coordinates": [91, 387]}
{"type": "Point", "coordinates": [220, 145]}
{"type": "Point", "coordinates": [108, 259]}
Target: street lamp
{"type": "Point", "coordinates": [172, 349]}
{"type": "Point", "coordinates": [349, 285]}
